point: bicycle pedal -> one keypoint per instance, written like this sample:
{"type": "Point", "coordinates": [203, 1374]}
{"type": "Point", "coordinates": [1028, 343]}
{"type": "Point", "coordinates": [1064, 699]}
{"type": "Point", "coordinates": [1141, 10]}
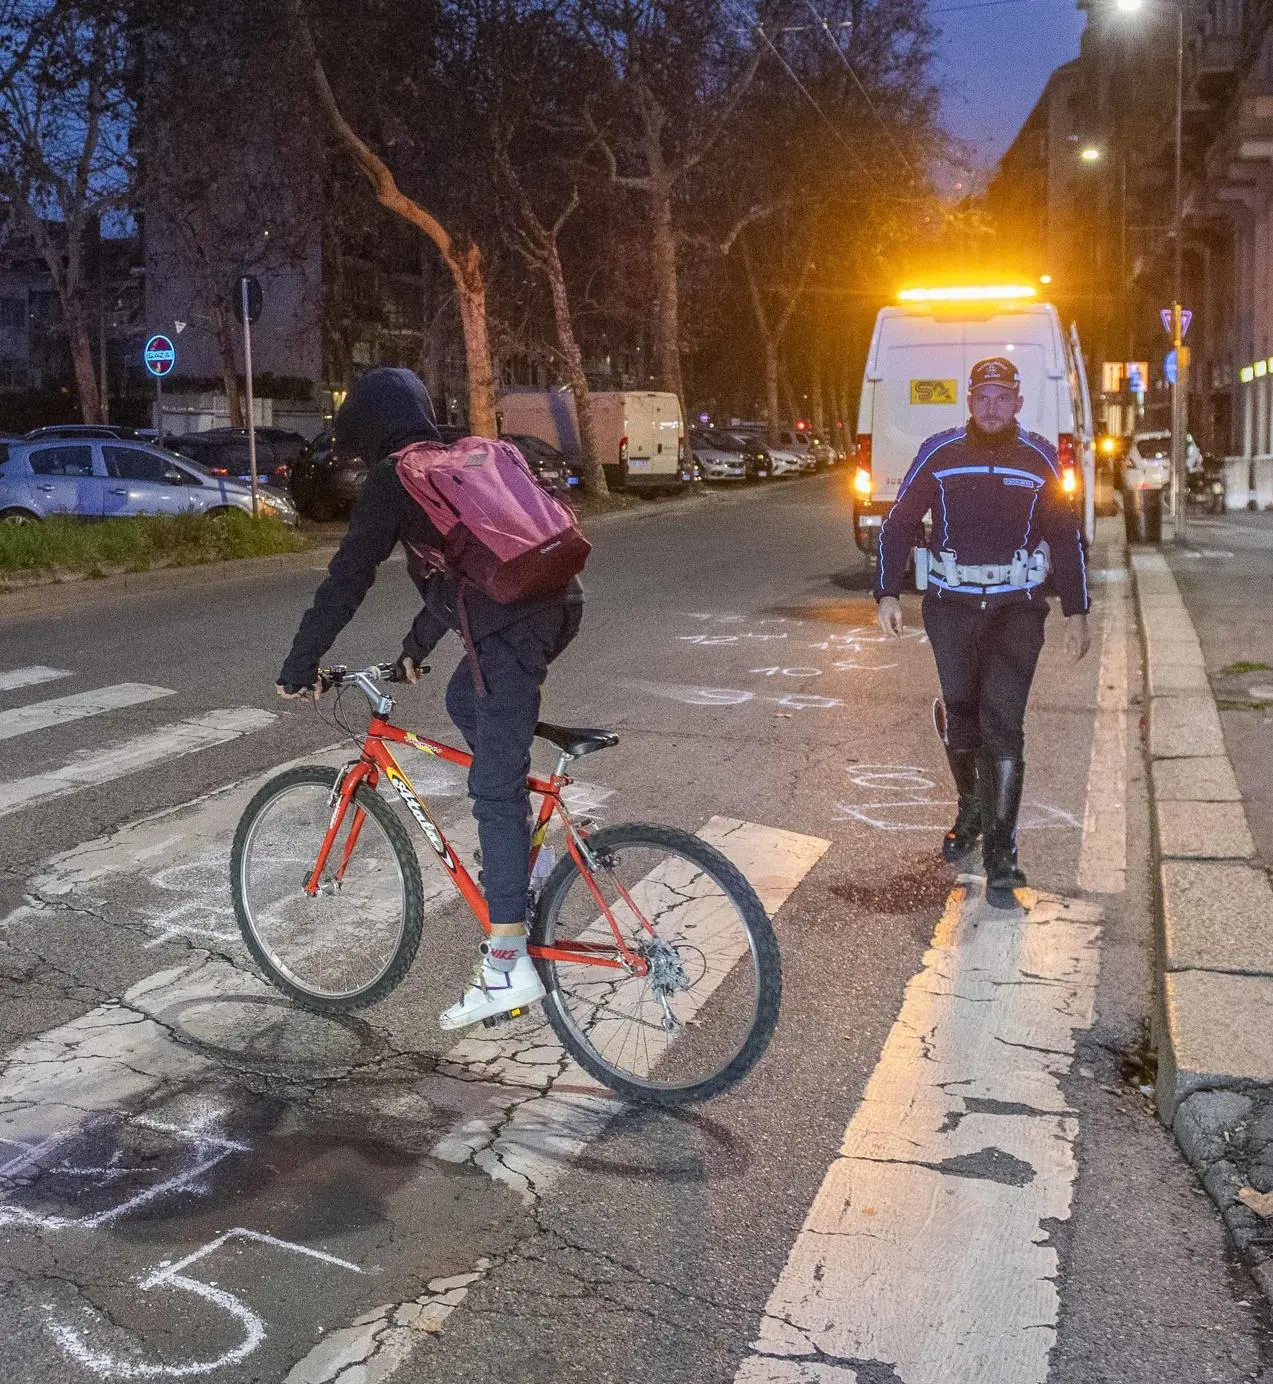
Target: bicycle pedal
{"type": "Point", "coordinates": [492, 1020]}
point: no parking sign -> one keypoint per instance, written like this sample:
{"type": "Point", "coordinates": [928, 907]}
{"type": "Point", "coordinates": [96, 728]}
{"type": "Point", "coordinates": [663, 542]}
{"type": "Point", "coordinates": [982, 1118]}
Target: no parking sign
{"type": "Point", "coordinates": [159, 355]}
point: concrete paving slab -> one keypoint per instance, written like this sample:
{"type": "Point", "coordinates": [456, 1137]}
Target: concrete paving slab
{"type": "Point", "coordinates": [1167, 679]}
{"type": "Point", "coordinates": [1217, 916]}
{"type": "Point", "coordinates": [1184, 726]}
{"type": "Point", "coordinates": [1214, 1032]}
{"type": "Point", "coordinates": [1206, 779]}
{"type": "Point", "coordinates": [1204, 831]}
{"type": "Point", "coordinates": [1184, 650]}
{"type": "Point", "coordinates": [1168, 629]}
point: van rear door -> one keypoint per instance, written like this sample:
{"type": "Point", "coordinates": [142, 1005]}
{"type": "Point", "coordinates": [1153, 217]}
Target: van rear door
{"type": "Point", "coordinates": [920, 379]}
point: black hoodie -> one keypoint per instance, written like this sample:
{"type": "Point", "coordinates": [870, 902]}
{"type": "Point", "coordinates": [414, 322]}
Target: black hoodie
{"type": "Point", "coordinates": [386, 410]}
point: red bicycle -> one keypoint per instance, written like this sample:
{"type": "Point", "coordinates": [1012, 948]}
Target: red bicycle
{"type": "Point", "coordinates": [661, 968]}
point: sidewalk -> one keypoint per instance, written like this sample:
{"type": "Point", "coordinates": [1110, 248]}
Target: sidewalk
{"type": "Point", "coordinates": [1208, 647]}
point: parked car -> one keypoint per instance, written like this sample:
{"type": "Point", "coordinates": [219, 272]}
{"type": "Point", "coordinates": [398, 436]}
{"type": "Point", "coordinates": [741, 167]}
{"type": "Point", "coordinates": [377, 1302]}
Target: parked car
{"type": "Point", "coordinates": [552, 466]}
{"type": "Point", "coordinates": [1148, 462]}
{"type": "Point", "coordinates": [753, 449]}
{"type": "Point", "coordinates": [717, 461]}
{"type": "Point", "coordinates": [225, 452]}
{"type": "Point", "coordinates": [80, 430]}
{"type": "Point", "coordinates": [324, 482]}
{"type": "Point", "coordinates": [783, 460]}
{"type": "Point", "coordinates": [103, 478]}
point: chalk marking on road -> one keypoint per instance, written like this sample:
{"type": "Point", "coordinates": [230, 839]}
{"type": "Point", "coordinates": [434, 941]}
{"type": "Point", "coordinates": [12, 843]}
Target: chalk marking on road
{"type": "Point", "coordinates": [33, 676]}
{"type": "Point", "coordinates": [531, 1135]}
{"type": "Point", "coordinates": [1103, 856]}
{"type": "Point", "coordinates": [922, 1253]}
{"type": "Point", "coordinates": [912, 812]}
{"type": "Point", "coordinates": [57, 711]}
{"type": "Point", "coordinates": [107, 1366]}
{"type": "Point", "coordinates": [91, 768]}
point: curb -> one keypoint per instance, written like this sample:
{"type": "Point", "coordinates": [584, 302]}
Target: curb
{"type": "Point", "coordinates": [47, 596]}
{"type": "Point", "coordinates": [1214, 995]}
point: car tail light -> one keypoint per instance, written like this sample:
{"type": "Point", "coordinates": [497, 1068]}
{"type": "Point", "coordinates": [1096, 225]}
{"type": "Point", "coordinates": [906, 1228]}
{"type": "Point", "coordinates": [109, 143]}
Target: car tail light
{"type": "Point", "coordinates": [863, 482]}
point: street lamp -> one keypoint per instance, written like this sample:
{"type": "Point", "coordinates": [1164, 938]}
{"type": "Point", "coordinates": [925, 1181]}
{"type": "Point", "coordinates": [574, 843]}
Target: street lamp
{"type": "Point", "coordinates": [1091, 154]}
{"type": "Point", "coordinates": [1180, 385]}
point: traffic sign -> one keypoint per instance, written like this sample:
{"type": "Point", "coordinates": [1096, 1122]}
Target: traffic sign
{"type": "Point", "coordinates": [1186, 316]}
{"type": "Point", "coordinates": [159, 355]}
{"type": "Point", "coordinates": [1169, 367]}
{"type": "Point", "coordinates": [1138, 376]}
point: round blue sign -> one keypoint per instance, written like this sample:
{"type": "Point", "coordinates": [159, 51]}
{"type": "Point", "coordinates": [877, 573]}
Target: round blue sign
{"type": "Point", "coordinates": [159, 355]}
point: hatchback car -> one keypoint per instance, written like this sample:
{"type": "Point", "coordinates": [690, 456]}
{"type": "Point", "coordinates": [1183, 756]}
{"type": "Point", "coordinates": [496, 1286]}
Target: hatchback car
{"type": "Point", "coordinates": [1148, 462]}
{"type": "Point", "coordinates": [106, 478]}
{"type": "Point", "coordinates": [718, 461]}
{"type": "Point", "coordinates": [550, 465]}
{"type": "Point", "coordinates": [225, 452]}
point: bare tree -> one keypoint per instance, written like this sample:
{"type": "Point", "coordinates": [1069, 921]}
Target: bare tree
{"type": "Point", "coordinates": [461, 254]}
{"type": "Point", "coordinates": [64, 158]}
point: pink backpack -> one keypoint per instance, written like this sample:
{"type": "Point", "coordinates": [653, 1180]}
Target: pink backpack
{"type": "Point", "coordinates": [501, 530]}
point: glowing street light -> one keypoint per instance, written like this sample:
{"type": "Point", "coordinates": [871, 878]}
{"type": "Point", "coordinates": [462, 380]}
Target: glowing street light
{"type": "Point", "coordinates": [1091, 154]}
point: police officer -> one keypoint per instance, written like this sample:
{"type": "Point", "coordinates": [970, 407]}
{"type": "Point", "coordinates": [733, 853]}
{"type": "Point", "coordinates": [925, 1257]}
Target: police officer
{"type": "Point", "coordinates": [1002, 526]}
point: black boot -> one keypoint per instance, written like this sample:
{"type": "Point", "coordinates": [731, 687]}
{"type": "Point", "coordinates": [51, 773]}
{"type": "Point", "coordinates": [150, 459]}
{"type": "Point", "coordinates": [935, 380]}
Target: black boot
{"type": "Point", "coordinates": [1000, 782]}
{"type": "Point", "coordinates": [962, 837]}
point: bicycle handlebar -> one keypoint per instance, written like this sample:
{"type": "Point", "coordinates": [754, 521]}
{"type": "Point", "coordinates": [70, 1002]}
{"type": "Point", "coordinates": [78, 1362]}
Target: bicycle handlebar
{"type": "Point", "coordinates": [378, 672]}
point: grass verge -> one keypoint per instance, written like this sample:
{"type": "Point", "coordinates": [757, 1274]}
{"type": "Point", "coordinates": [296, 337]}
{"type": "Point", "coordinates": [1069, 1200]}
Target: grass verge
{"type": "Point", "coordinates": [63, 545]}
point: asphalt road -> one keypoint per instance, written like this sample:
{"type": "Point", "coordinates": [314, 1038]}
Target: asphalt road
{"type": "Point", "coordinates": [946, 1167]}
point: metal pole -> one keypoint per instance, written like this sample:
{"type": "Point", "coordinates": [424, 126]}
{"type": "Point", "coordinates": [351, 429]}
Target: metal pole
{"type": "Point", "coordinates": [159, 408]}
{"type": "Point", "coordinates": [1180, 389]}
{"type": "Point", "coordinates": [247, 370]}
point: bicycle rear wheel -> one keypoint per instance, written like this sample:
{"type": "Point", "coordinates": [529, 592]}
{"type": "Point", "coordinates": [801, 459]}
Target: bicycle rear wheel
{"type": "Point", "coordinates": [701, 1017]}
{"type": "Point", "coordinates": [353, 942]}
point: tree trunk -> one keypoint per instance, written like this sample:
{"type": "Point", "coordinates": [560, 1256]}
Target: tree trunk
{"type": "Point", "coordinates": [594, 476]}
{"type": "Point", "coordinates": [470, 287]}
{"type": "Point", "coordinates": [229, 363]}
{"type": "Point", "coordinates": [663, 238]}
{"type": "Point", "coordinates": [815, 367]}
{"type": "Point", "coordinates": [81, 343]}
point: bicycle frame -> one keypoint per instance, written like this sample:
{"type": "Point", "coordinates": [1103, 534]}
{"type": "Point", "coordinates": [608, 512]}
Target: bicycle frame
{"type": "Point", "coordinates": [377, 760]}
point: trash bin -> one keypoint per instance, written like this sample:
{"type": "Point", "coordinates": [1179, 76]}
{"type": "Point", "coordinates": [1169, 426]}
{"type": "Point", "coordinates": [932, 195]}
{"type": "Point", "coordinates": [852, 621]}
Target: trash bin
{"type": "Point", "coordinates": [1142, 515]}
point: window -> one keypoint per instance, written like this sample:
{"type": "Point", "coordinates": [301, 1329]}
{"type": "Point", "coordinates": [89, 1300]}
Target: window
{"type": "Point", "coordinates": [62, 461]}
{"type": "Point", "coordinates": [132, 464]}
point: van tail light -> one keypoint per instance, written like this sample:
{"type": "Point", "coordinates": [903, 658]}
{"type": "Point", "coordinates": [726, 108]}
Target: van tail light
{"type": "Point", "coordinates": [1069, 480]}
{"type": "Point", "coordinates": [863, 455]}
{"type": "Point", "coordinates": [1065, 455]}
{"type": "Point", "coordinates": [863, 482]}
{"type": "Point", "coordinates": [623, 451]}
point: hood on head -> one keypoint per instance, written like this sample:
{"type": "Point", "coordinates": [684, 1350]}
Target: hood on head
{"type": "Point", "coordinates": [386, 409]}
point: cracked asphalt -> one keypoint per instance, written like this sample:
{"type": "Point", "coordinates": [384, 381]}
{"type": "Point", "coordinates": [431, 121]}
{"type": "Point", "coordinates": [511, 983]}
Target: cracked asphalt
{"type": "Point", "coordinates": [181, 1145]}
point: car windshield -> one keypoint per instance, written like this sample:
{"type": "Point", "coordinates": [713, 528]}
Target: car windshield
{"type": "Point", "coordinates": [1153, 444]}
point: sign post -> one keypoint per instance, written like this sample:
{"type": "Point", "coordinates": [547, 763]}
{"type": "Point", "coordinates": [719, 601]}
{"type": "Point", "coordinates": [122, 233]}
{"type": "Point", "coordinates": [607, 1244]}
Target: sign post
{"type": "Point", "coordinates": [250, 307]}
{"type": "Point", "coordinates": [159, 356]}
{"type": "Point", "coordinates": [1176, 320]}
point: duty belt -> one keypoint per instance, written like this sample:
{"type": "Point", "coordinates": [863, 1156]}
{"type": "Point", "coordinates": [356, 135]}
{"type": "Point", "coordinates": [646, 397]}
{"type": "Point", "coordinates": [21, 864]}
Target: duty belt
{"type": "Point", "coordinates": [1026, 570]}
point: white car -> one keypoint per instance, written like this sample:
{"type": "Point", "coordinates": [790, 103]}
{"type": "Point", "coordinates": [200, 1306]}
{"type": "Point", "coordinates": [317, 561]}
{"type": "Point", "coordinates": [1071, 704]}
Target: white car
{"type": "Point", "coordinates": [716, 462]}
{"type": "Point", "coordinates": [784, 458]}
{"type": "Point", "coordinates": [1148, 463]}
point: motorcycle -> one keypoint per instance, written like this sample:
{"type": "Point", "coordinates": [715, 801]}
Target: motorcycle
{"type": "Point", "coordinates": [1205, 486]}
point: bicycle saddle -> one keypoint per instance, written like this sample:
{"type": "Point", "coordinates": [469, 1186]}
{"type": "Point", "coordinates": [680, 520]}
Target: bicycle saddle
{"type": "Point", "coordinates": [576, 740]}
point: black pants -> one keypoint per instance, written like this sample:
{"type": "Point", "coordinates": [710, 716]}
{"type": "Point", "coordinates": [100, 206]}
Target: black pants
{"type": "Point", "coordinates": [985, 660]}
{"type": "Point", "coordinates": [499, 728]}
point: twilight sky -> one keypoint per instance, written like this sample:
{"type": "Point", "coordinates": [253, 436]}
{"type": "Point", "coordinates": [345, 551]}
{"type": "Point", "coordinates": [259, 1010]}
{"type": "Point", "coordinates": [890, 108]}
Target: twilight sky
{"type": "Point", "coordinates": [994, 59]}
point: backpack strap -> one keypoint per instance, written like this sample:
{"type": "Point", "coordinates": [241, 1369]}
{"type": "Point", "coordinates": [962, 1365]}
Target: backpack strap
{"type": "Point", "coordinates": [466, 635]}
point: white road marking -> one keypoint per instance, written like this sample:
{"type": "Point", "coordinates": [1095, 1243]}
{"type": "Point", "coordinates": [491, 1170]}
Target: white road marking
{"type": "Point", "coordinates": [91, 768]}
{"type": "Point", "coordinates": [561, 1110]}
{"type": "Point", "coordinates": [22, 720]}
{"type": "Point", "coordinates": [30, 677]}
{"type": "Point", "coordinates": [1103, 858]}
{"type": "Point", "coordinates": [926, 1250]}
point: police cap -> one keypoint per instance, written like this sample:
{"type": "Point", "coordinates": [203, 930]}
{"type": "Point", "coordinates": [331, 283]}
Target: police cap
{"type": "Point", "coordinates": [995, 370]}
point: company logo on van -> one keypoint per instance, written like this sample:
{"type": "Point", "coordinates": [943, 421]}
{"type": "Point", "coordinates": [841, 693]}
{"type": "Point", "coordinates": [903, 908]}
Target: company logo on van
{"type": "Point", "coordinates": [934, 391]}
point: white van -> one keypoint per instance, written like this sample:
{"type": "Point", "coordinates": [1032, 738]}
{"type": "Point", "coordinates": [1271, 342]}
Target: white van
{"type": "Point", "coordinates": [916, 384]}
{"type": "Point", "coordinates": [640, 435]}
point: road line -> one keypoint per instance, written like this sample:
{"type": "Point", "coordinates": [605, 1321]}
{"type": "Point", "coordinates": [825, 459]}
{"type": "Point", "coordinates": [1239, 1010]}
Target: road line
{"type": "Point", "coordinates": [94, 767]}
{"type": "Point", "coordinates": [30, 677]}
{"type": "Point", "coordinates": [926, 1255]}
{"type": "Point", "coordinates": [528, 1141]}
{"type": "Point", "coordinates": [1103, 856]}
{"type": "Point", "coordinates": [22, 720]}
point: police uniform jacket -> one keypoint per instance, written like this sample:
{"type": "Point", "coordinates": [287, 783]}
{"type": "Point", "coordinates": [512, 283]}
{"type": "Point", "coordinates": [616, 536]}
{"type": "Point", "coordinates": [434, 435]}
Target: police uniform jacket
{"type": "Point", "coordinates": [991, 495]}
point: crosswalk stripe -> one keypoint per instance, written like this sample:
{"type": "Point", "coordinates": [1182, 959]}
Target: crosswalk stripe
{"type": "Point", "coordinates": [95, 767]}
{"type": "Point", "coordinates": [30, 677]}
{"type": "Point", "coordinates": [22, 720]}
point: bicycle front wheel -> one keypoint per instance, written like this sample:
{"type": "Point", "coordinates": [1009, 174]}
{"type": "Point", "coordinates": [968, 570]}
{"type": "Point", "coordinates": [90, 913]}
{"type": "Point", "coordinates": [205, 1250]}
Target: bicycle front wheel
{"type": "Point", "coordinates": [704, 1012]}
{"type": "Point", "coordinates": [352, 942]}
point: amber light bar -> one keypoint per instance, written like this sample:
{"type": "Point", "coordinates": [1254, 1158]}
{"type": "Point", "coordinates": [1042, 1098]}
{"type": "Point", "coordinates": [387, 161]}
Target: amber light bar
{"type": "Point", "coordinates": [968, 293]}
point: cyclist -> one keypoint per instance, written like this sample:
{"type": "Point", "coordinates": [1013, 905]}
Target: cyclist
{"type": "Point", "coordinates": [1003, 527]}
{"type": "Point", "coordinates": [513, 644]}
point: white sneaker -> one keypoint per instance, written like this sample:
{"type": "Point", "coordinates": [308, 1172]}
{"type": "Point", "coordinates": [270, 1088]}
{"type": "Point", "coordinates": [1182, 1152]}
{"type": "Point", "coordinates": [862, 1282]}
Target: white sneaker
{"type": "Point", "coordinates": [495, 993]}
